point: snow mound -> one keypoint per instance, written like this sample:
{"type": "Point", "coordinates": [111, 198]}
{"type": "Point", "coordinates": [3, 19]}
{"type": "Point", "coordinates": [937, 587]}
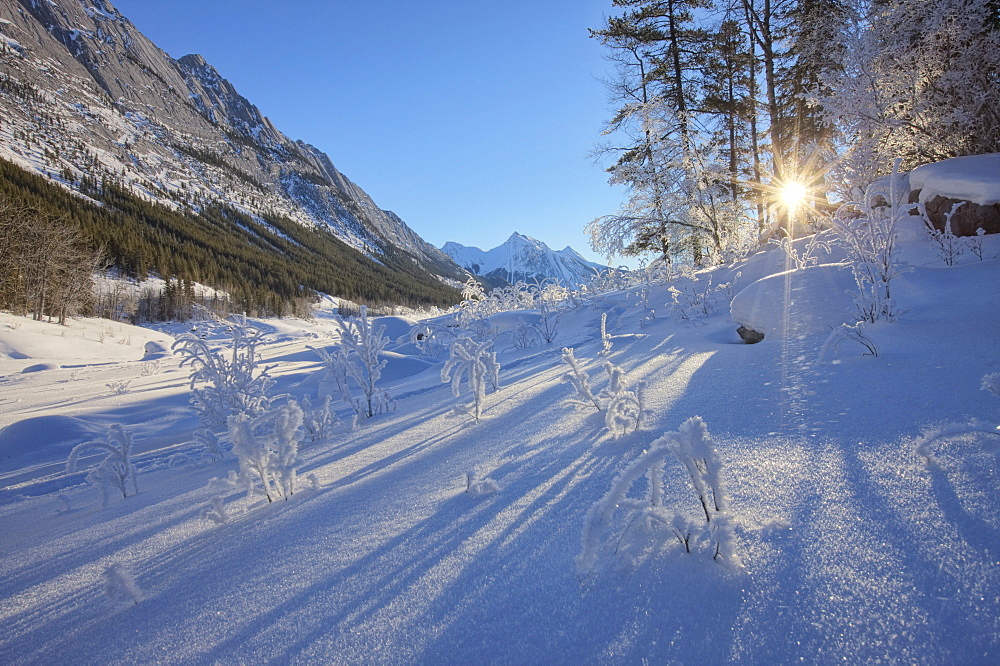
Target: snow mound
{"type": "Point", "coordinates": [975, 178]}
{"type": "Point", "coordinates": [797, 302]}
{"type": "Point", "coordinates": [44, 438]}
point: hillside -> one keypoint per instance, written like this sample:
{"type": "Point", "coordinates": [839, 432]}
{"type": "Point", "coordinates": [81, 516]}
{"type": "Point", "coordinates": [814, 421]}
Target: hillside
{"type": "Point", "coordinates": [92, 105]}
{"type": "Point", "coordinates": [850, 546]}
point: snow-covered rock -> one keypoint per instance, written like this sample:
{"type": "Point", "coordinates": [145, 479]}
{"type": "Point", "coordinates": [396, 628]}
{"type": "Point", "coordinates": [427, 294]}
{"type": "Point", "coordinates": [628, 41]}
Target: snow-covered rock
{"type": "Point", "coordinates": [796, 302]}
{"type": "Point", "coordinates": [973, 181]}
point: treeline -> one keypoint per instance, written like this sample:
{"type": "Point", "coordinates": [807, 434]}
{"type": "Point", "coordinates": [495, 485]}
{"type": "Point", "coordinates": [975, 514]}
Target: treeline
{"type": "Point", "coordinates": [729, 110]}
{"type": "Point", "coordinates": [266, 266]}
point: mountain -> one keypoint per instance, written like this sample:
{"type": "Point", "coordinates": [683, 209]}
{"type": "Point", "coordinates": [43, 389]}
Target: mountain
{"type": "Point", "coordinates": [522, 258]}
{"type": "Point", "coordinates": [87, 99]}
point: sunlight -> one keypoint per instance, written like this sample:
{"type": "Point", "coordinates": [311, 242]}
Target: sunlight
{"type": "Point", "coordinates": [792, 194]}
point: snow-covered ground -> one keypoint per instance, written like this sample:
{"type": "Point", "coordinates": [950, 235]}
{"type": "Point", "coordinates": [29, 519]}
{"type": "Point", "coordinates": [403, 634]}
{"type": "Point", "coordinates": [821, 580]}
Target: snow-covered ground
{"type": "Point", "coordinates": [853, 547]}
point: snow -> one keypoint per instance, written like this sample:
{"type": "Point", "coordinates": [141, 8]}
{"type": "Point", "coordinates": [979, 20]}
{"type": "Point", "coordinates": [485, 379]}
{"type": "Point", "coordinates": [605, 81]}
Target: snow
{"type": "Point", "coordinates": [853, 547]}
{"type": "Point", "coordinates": [522, 258]}
{"type": "Point", "coordinates": [972, 178]}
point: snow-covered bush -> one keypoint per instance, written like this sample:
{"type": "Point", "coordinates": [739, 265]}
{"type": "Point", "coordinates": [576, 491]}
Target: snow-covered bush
{"type": "Point", "coordinates": [976, 243]}
{"type": "Point", "coordinates": [478, 364]}
{"type": "Point", "coordinates": [629, 528]}
{"type": "Point", "coordinates": [806, 256]}
{"type": "Point", "coordinates": [267, 446]}
{"type": "Point", "coordinates": [119, 585]}
{"type": "Point", "coordinates": [318, 422]}
{"type": "Point", "coordinates": [949, 246]}
{"type": "Point", "coordinates": [478, 487]}
{"type": "Point", "coordinates": [211, 447]}
{"type": "Point", "coordinates": [690, 302]}
{"type": "Point", "coordinates": [233, 385]}
{"type": "Point", "coordinates": [578, 378]}
{"type": "Point", "coordinates": [116, 470]}
{"type": "Point", "coordinates": [524, 336]}
{"type": "Point", "coordinates": [870, 241]}
{"type": "Point", "coordinates": [606, 343]}
{"type": "Point", "coordinates": [623, 410]}
{"type": "Point", "coordinates": [850, 333]}
{"type": "Point", "coordinates": [119, 386]}
{"type": "Point", "coordinates": [358, 359]}
{"type": "Point", "coordinates": [548, 325]}
{"type": "Point", "coordinates": [431, 338]}
{"type": "Point", "coordinates": [365, 345]}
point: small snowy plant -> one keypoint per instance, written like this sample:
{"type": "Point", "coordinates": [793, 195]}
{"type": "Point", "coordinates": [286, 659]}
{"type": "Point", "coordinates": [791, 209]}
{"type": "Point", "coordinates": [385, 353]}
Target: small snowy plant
{"type": "Point", "coordinates": [578, 378]}
{"type": "Point", "coordinates": [120, 586]}
{"type": "Point", "coordinates": [605, 337]}
{"type": "Point", "coordinates": [365, 345]}
{"type": "Point", "coordinates": [623, 402]}
{"type": "Point", "coordinates": [548, 326]}
{"type": "Point", "coordinates": [949, 246]}
{"type": "Point", "coordinates": [870, 241]}
{"type": "Point", "coordinates": [232, 382]}
{"type": "Point", "coordinates": [478, 487]}
{"type": "Point", "coordinates": [848, 333]}
{"type": "Point", "coordinates": [627, 528]}
{"type": "Point", "coordinates": [524, 336]}
{"type": "Point", "coordinates": [268, 449]}
{"type": "Point", "coordinates": [318, 422]}
{"type": "Point", "coordinates": [478, 364]}
{"type": "Point", "coordinates": [116, 470]}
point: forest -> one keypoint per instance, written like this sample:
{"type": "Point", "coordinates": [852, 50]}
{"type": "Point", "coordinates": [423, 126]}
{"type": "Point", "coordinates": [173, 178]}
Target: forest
{"type": "Point", "coordinates": [727, 107]}
{"type": "Point", "coordinates": [53, 241]}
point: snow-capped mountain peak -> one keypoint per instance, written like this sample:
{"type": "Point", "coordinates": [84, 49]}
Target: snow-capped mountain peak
{"type": "Point", "coordinates": [523, 258]}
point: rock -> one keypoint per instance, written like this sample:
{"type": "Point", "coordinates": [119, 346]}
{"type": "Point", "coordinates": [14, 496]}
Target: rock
{"type": "Point", "coordinates": [750, 336]}
{"type": "Point", "coordinates": [969, 217]}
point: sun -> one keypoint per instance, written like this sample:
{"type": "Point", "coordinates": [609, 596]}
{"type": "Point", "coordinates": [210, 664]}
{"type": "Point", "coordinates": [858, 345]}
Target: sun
{"type": "Point", "coordinates": [792, 194]}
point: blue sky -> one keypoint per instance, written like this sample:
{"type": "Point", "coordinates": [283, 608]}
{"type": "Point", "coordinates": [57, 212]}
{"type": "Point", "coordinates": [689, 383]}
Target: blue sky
{"type": "Point", "coordinates": [470, 119]}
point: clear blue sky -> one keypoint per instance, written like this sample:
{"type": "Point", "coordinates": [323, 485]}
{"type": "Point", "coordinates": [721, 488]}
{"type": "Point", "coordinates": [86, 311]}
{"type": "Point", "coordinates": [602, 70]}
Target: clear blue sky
{"type": "Point", "coordinates": [470, 119]}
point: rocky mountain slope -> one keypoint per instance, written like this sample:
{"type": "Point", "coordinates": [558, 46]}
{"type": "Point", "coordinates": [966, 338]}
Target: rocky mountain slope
{"type": "Point", "coordinates": [86, 97]}
{"type": "Point", "coordinates": [522, 258]}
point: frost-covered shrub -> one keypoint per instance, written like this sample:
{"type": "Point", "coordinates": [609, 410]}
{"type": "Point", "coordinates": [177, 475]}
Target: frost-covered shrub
{"type": "Point", "coordinates": [233, 382]}
{"type": "Point", "coordinates": [477, 362]}
{"type": "Point", "coordinates": [119, 585]}
{"type": "Point", "coordinates": [268, 449]}
{"type": "Point", "coordinates": [119, 386]}
{"type": "Point", "coordinates": [548, 325]}
{"type": "Point", "coordinates": [358, 359]}
{"type": "Point", "coordinates": [578, 378]}
{"type": "Point", "coordinates": [806, 256]}
{"type": "Point", "coordinates": [432, 339]}
{"type": "Point", "coordinates": [606, 343]}
{"type": "Point", "coordinates": [478, 487]}
{"type": "Point", "coordinates": [623, 403]}
{"type": "Point", "coordinates": [211, 447]}
{"type": "Point", "coordinates": [318, 422]}
{"type": "Point", "coordinates": [949, 246]}
{"type": "Point", "coordinates": [690, 302]}
{"type": "Point", "coordinates": [365, 345]}
{"type": "Point", "coordinates": [116, 470]}
{"type": "Point", "coordinates": [850, 333]}
{"type": "Point", "coordinates": [524, 336]}
{"type": "Point", "coordinates": [625, 527]}
{"type": "Point", "coordinates": [870, 241]}
{"type": "Point", "coordinates": [976, 243]}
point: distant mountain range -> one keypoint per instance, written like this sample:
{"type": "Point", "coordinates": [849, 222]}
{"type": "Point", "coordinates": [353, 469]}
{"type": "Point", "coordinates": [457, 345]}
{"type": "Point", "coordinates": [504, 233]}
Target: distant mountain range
{"type": "Point", "coordinates": [88, 102]}
{"type": "Point", "coordinates": [524, 259]}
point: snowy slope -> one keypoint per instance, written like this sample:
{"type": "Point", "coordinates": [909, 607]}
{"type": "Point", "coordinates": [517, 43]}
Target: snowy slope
{"type": "Point", "coordinates": [854, 548]}
{"type": "Point", "coordinates": [86, 96]}
{"type": "Point", "coordinates": [524, 259]}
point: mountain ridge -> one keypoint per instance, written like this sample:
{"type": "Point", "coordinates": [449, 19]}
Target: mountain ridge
{"type": "Point", "coordinates": [522, 258]}
{"type": "Point", "coordinates": [89, 97]}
